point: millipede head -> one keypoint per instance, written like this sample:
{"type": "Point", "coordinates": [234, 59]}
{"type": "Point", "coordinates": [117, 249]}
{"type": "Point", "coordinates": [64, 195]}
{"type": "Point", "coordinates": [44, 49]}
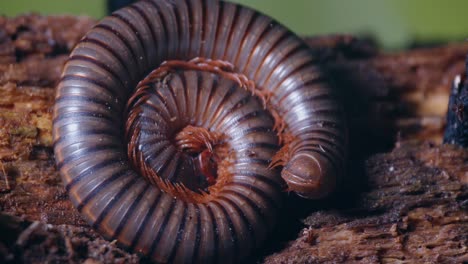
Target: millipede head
{"type": "Point", "coordinates": [309, 176]}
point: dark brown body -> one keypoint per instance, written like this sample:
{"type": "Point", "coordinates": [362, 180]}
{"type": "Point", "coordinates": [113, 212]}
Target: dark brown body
{"type": "Point", "coordinates": [89, 133]}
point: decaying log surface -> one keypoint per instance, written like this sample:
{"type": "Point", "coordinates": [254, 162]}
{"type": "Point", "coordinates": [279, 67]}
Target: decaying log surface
{"type": "Point", "coordinates": [414, 211]}
{"type": "Point", "coordinates": [406, 204]}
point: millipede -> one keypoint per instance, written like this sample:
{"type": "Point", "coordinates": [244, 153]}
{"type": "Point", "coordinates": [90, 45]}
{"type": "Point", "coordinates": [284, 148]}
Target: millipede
{"type": "Point", "coordinates": [180, 125]}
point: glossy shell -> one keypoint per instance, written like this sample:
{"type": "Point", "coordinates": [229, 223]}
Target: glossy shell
{"type": "Point", "coordinates": [90, 135]}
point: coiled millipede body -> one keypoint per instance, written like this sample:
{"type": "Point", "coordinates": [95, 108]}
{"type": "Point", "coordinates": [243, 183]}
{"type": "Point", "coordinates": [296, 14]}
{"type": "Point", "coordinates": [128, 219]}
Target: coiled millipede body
{"type": "Point", "coordinates": [171, 118]}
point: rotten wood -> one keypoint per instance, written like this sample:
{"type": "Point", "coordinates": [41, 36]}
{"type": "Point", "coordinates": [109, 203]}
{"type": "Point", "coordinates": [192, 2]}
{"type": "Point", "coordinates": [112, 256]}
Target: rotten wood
{"type": "Point", "coordinates": [413, 211]}
{"type": "Point", "coordinates": [456, 131]}
{"type": "Point", "coordinates": [405, 199]}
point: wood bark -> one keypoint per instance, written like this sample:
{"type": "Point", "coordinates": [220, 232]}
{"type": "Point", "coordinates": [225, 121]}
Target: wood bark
{"type": "Point", "coordinates": [405, 198]}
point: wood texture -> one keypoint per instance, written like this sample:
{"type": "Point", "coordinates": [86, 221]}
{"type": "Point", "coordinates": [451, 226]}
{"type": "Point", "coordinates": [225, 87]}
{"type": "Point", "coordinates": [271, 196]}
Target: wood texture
{"type": "Point", "coordinates": [407, 204]}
